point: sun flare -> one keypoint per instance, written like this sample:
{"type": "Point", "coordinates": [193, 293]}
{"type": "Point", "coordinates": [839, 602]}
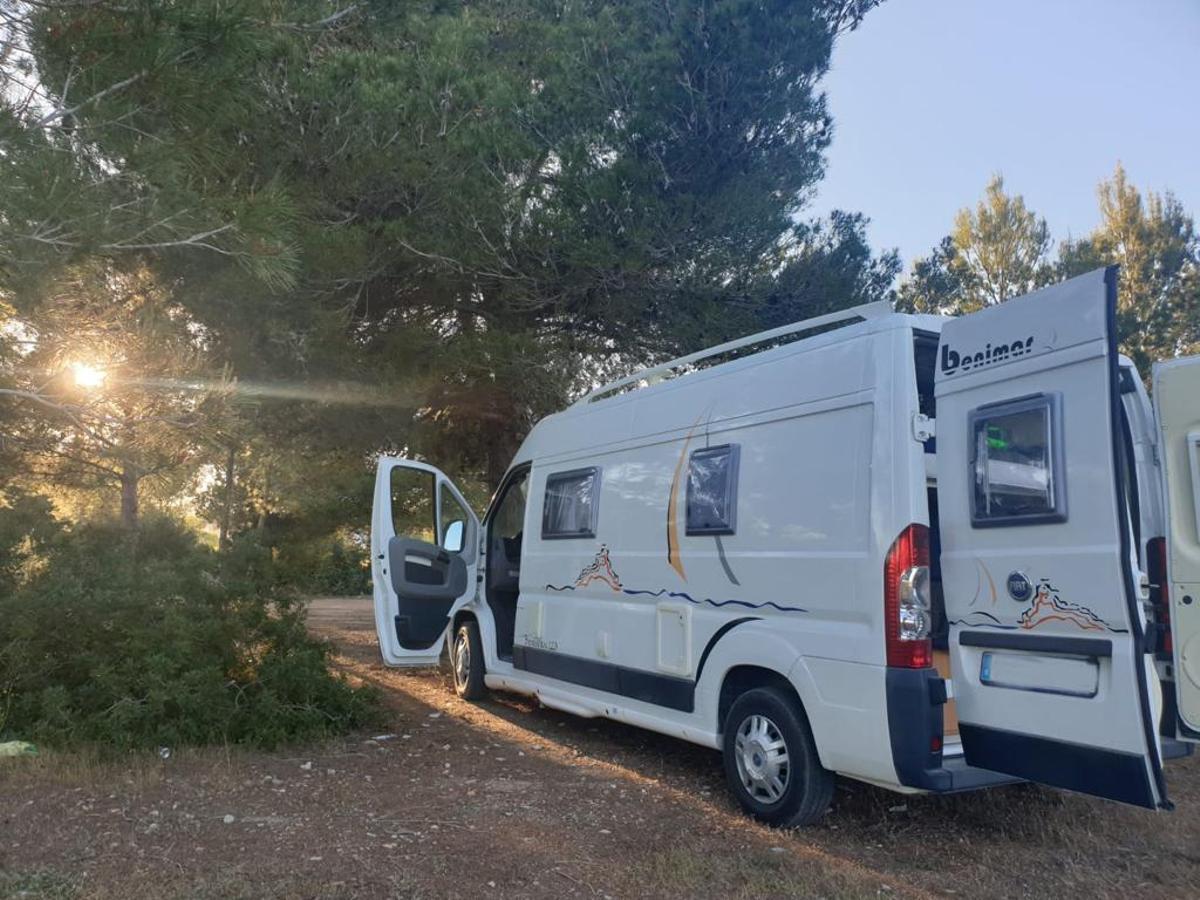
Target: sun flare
{"type": "Point", "coordinates": [87, 376]}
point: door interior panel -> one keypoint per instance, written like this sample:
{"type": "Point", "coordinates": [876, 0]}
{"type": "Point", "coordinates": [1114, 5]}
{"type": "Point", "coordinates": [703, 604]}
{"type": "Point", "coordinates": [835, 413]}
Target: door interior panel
{"type": "Point", "coordinates": [427, 581]}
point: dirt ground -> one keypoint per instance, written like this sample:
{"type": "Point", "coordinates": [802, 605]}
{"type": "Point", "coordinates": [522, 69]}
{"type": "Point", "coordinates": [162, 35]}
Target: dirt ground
{"type": "Point", "coordinates": [506, 799]}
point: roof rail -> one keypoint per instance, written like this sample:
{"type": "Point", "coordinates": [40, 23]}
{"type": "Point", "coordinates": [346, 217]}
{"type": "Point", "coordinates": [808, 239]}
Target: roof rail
{"type": "Point", "coordinates": [661, 372]}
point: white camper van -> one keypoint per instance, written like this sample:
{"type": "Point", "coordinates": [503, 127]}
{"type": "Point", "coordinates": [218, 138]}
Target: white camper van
{"type": "Point", "coordinates": [926, 553]}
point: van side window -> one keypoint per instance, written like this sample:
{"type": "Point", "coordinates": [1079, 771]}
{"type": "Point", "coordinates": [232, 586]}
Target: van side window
{"type": "Point", "coordinates": [1016, 466]}
{"type": "Point", "coordinates": [571, 504]}
{"type": "Point", "coordinates": [712, 490]}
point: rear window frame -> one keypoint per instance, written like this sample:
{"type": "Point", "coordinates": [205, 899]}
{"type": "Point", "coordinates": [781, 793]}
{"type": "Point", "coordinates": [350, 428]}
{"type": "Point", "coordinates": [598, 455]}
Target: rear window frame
{"type": "Point", "coordinates": [1051, 404]}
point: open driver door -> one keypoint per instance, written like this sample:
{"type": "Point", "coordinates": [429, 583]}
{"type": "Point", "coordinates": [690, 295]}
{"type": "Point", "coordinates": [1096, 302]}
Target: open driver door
{"type": "Point", "coordinates": [424, 555]}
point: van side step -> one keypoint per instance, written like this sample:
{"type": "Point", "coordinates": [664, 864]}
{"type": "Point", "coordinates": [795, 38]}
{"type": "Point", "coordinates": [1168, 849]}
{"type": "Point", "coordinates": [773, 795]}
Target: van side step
{"type": "Point", "coordinates": [955, 775]}
{"type": "Point", "coordinates": [1175, 749]}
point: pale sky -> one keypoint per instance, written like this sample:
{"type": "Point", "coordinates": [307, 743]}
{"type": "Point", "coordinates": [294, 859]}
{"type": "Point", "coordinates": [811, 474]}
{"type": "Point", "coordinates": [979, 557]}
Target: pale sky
{"type": "Point", "coordinates": [930, 97]}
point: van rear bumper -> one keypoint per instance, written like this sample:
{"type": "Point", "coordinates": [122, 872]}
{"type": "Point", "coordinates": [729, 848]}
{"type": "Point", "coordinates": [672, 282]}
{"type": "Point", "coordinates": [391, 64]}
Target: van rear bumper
{"type": "Point", "coordinates": [914, 707]}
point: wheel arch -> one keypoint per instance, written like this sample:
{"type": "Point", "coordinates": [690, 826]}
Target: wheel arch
{"type": "Point", "coordinates": [757, 654]}
{"type": "Point", "coordinates": [742, 678]}
{"type": "Point", "coordinates": [461, 616]}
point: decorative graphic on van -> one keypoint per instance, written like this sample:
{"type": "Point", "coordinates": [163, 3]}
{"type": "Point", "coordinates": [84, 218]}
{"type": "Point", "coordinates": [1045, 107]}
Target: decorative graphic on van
{"type": "Point", "coordinates": [980, 576]}
{"type": "Point", "coordinates": [968, 361]}
{"type": "Point", "coordinates": [600, 569]}
{"type": "Point", "coordinates": [977, 618]}
{"type": "Point", "coordinates": [683, 595]}
{"type": "Point", "coordinates": [674, 558]}
{"type": "Point", "coordinates": [1047, 606]}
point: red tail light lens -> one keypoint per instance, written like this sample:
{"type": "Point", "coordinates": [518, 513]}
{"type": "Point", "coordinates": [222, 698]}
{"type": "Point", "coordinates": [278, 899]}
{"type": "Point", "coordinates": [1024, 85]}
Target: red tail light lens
{"type": "Point", "coordinates": [1160, 594]}
{"type": "Point", "coordinates": [907, 600]}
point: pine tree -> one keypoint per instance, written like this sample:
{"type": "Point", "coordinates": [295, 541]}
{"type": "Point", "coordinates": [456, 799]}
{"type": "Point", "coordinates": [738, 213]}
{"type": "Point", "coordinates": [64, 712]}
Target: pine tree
{"type": "Point", "coordinates": [114, 392]}
{"type": "Point", "coordinates": [1154, 241]}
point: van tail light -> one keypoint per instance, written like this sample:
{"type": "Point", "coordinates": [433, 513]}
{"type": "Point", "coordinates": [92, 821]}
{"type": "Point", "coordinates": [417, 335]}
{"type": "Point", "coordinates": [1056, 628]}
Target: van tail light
{"type": "Point", "coordinates": [1160, 595]}
{"type": "Point", "coordinates": [907, 600]}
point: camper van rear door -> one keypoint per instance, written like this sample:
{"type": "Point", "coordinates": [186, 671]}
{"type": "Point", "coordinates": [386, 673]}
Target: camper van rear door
{"type": "Point", "coordinates": [424, 556]}
{"type": "Point", "coordinates": [1041, 575]}
{"type": "Point", "coordinates": [1177, 405]}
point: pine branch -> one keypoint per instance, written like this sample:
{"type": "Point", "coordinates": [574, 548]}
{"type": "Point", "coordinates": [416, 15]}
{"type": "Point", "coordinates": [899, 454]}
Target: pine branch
{"type": "Point", "coordinates": [61, 112]}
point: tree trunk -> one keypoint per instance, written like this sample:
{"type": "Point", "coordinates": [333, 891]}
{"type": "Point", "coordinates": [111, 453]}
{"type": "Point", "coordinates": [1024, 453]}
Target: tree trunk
{"type": "Point", "coordinates": [129, 496]}
{"type": "Point", "coordinates": [227, 513]}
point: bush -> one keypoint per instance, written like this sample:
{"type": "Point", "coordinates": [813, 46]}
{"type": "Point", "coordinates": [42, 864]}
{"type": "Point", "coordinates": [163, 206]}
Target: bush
{"type": "Point", "coordinates": [329, 566]}
{"type": "Point", "coordinates": [149, 638]}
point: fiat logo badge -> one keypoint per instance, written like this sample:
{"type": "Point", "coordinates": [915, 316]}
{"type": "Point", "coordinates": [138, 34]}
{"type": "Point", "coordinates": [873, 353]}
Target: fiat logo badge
{"type": "Point", "coordinates": [1020, 588]}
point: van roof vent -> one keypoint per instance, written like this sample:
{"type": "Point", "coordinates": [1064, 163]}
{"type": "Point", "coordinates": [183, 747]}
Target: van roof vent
{"type": "Point", "coordinates": [721, 353]}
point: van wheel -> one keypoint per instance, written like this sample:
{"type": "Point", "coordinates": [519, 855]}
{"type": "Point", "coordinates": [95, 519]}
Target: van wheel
{"type": "Point", "coordinates": [466, 659]}
{"type": "Point", "coordinates": [771, 760]}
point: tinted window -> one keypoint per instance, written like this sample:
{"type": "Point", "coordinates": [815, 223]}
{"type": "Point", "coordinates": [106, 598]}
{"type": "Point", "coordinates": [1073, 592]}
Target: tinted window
{"type": "Point", "coordinates": [570, 506]}
{"type": "Point", "coordinates": [1016, 470]}
{"type": "Point", "coordinates": [712, 490]}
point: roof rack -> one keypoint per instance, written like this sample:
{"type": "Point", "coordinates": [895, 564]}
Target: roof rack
{"type": "Point", "coordinates": [661, 372]}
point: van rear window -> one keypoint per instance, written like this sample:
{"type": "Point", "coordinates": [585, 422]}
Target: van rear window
{"type": "Point", "coordinates": [570, 506]}
{"type": "Point", "coordinates": [712, 490]}
{"type": "Point", "coordinates": [1016, 463]}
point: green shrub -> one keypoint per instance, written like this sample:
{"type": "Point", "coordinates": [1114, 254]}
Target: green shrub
{"type": "Point", "coordinates": [149, 638]}
{"type": "Point", "coordinates": [328, 566]}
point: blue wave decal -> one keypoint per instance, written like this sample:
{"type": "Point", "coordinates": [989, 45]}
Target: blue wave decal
{"type": "Point", "coordinates": [690, 599]}
{"type": "Point", "coordinates": [967, 624]}
{"type": "Point", "coordinates": [977, 612]}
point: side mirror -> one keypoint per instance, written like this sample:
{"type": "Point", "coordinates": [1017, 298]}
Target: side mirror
{"type": "Point", "coordinates": [453, 539]}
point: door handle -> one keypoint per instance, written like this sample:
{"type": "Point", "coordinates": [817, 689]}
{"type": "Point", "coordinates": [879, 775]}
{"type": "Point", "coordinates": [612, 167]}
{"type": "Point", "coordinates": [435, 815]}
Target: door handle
{"type": "Point", "coordinates": [380, 556]}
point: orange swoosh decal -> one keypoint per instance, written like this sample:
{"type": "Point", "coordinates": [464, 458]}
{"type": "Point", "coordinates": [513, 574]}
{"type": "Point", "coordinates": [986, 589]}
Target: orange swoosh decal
{"type": "Point", "coordinates": [673, 554]}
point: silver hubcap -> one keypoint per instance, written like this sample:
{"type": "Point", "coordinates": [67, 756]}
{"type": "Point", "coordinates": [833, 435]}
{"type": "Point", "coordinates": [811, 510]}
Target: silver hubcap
{"type": "Point", "coordinates": [462, 658]}
{"type": "Point", "coordinates": [762, 759]}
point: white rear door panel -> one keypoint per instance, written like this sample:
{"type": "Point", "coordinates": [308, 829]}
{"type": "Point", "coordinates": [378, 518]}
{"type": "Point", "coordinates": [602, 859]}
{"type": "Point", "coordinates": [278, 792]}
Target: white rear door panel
{"type": "Point", "coordinates": [1038, 562]}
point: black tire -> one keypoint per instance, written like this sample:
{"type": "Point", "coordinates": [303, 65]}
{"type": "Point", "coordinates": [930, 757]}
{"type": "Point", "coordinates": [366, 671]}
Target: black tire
{"type": "Point", "coordinates": [755, 770]}
{"type": "Point", "coordinates": [466, 661]}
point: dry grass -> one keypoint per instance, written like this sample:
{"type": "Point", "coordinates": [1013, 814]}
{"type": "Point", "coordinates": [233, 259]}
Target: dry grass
{"type": "Point", "coordinates": [750, 875]}
{"type": "Point", "coordinates": [43, 884]}
{"type": "Point", "coordinates": [48, 884]}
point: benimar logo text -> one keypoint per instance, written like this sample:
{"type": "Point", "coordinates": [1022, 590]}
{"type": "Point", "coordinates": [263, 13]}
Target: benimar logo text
{"type": "Point", "coordinates": [954, 361]}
